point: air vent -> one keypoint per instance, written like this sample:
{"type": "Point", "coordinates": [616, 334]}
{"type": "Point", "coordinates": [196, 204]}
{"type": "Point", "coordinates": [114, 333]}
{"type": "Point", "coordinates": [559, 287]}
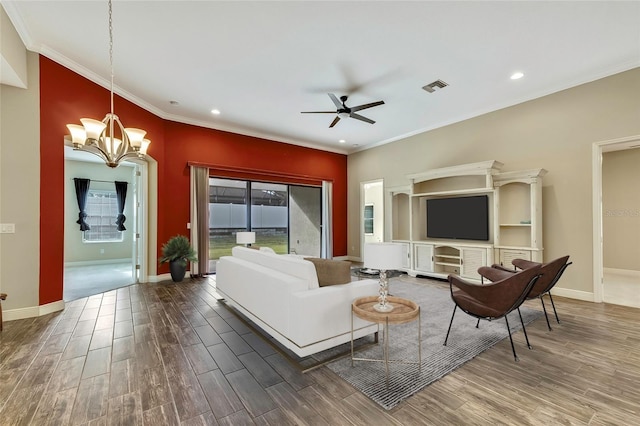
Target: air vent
{"type": "Point", "coordinates": [432, 87]}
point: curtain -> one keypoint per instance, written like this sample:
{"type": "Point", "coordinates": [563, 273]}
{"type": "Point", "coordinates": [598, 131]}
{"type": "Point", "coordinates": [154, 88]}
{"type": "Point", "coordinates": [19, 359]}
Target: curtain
{"type": "Point", "coordinates": [327, 220]}
{"type": "Point", "coordinates": [121, 194]}
{"type": "Point", "coordinates": [200, 218]}
{"type": "Point", "coordinates": [82, 190]}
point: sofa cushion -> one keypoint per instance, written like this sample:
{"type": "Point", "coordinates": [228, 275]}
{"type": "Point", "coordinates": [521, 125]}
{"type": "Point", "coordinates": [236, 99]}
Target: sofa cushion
{"type": "Point", "coordinates": [331, 272]}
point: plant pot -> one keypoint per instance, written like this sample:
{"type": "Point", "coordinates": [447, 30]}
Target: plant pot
{"type": "Point", "coordinates": [178, 268]}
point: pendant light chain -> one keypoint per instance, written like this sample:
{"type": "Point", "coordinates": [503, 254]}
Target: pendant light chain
{"type": "Point", "coordinates": [111, 50]}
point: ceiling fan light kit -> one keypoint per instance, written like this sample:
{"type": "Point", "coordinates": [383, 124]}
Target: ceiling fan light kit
{"type": "Point", "coordinates": [343, 111]}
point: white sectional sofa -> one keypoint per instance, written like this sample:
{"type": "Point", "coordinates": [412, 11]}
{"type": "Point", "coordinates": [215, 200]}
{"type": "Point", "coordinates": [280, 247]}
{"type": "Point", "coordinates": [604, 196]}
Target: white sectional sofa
{"type": "Point", "coordinates": [281, 294]}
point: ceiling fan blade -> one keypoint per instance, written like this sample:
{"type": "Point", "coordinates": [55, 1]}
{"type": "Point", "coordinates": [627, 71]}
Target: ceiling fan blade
{"type": "Point", "coordinates": [317, 112]}
{"type": "Point", "coordinates": [335, 100]}
{"type": "Point", "coordinates": [361, 118]}
{"type": "Point", "coordinates": [335, 121]}
{"type": "Point", "coordinates": [365, 106]}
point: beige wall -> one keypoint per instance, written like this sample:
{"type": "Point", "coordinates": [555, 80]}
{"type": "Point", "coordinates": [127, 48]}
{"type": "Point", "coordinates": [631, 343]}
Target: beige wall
{"type": "Point", "coordinates": [74, 249]}
{"type": "Point", "coordinates": [621, 209]}
{"type": "Point", "coordinates": [555, 132]}
{"type": "Point", "coordinates": [20, 190]}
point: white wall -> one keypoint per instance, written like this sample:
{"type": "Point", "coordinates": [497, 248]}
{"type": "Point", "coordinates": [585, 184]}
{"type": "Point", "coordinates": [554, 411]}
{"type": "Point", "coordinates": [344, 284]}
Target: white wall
{"type": "Point", "coordinates": [555, 132]}
{"type": "Point", "coordinates": [75, 250]}
{"type": "Point", "coordinates": [20, 190]}
{"type": "Point", "coordinates": [621, 209]}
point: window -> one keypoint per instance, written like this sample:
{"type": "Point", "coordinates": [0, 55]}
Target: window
{"type": "Point", "coordinates": [368, 219]}
{"type": "Point", "coordinates": [102, 212]}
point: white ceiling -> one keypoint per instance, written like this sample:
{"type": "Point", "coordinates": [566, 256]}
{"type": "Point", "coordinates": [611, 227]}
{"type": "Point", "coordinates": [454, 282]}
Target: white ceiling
{"type": "Point", "coordinates": [262, 63]}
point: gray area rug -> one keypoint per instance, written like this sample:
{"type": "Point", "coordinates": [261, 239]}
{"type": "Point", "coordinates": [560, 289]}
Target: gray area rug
{"type": "Point", "coordinates": [465, 342]}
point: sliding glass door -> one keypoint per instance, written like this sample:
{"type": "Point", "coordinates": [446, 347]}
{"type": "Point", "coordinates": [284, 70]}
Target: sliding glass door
{"type": "Point", "coordinates": [286, 218]}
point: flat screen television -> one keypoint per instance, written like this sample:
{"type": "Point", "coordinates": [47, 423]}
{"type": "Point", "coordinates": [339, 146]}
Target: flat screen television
{"type": "Point", "coordinates": [459, 218]}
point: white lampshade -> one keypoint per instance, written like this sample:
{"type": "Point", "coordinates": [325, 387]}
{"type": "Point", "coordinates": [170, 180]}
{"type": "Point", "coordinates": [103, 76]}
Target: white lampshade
{"type": "Point", "coordinates": [135, 136]}
{"type": "Point", "coordinates": [78, 134]}
{"type": "Point", "coordinates": [245, 237]}
{"type": "Point", "coordinates": [144, 146]}
{"type": "Point", "coordinates": [383, 256]}
{"type": "Point", "coordinates": [93, 127]}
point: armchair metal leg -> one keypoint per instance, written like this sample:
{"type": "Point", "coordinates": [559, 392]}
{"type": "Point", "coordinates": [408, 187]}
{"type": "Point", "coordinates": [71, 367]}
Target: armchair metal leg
{"type": "Point", "coordinates": [513, 348]}
{"type": "Point", "coordinates": [554, 308]}
{"type": "Point", "coordinates": [478, 323]}
{"type": "Point", "coordinates": [545, 312]}
{"type": "Point", "coordinates": [450, 323]}
{"type": "Point", "coordinates": [524, 329]}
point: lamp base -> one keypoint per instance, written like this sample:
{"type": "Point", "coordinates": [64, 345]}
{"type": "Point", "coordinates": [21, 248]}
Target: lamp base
{"type": "Point", "coordinates": [388, 307]}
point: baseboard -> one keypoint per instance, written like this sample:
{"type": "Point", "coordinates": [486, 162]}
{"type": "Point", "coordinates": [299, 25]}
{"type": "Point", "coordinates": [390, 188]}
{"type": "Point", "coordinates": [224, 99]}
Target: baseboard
{"type": "Point", "coordinates": [573, 294]}
{"type": "Point", "coordinates": [96, 262]}
{"type": "Point", "coordinates": [622, 272]}
{"type": "Point", "coordinates": [163, 277]}
{"type": "Point", "coordinates": [32, 311]}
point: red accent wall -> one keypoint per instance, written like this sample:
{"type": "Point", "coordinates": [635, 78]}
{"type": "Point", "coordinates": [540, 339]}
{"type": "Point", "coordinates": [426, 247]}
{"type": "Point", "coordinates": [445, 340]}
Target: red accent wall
{"type": "Point", "coordinates": [65, 97]}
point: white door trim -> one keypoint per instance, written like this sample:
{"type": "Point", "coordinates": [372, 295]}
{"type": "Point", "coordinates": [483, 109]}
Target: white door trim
{"type": "Point", "coordinates": [596, 164]}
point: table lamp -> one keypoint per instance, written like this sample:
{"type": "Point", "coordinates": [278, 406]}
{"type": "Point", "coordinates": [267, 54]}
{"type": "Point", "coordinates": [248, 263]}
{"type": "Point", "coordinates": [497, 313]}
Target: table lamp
{"type": "Point", "coordinates": [384, 257]}
{"type": "Point", "coordinates": [246, 238]}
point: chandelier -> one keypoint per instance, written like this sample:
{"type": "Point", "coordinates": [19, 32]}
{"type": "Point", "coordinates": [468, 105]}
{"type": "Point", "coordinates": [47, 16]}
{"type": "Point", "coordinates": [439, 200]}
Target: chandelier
{"type": "Point", "coordinates": [108, 139]}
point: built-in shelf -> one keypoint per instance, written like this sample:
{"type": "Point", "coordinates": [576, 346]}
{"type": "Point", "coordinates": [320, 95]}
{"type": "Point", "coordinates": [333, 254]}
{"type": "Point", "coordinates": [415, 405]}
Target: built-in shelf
{"type": "Point", "coordinates": [514, 197]}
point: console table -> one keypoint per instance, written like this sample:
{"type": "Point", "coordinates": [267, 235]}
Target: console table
{"type": "Point", "coordinates": [404, 311]}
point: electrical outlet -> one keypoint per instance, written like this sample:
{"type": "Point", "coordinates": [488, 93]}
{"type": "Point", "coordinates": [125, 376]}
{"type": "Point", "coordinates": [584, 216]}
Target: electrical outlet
{"type": "Point", "coordinates": [8, 228]}
{"type": "Point", "coordinates": [101, 251]}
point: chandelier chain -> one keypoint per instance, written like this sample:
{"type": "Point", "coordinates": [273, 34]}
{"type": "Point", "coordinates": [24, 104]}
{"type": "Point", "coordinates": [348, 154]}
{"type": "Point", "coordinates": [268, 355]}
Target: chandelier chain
{"type": "Point", "coordinates": [111, 50]}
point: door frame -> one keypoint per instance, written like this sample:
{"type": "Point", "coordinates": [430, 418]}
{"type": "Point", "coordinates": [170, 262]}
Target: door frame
{"type": "Point", "coordinates": [598, 148]}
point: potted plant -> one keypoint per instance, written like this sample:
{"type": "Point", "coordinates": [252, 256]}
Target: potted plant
{"type": "Point", "coordinates": [177, 251]}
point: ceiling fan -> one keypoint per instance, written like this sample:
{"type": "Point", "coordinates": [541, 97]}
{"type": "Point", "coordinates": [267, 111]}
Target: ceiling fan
{"type": "Point", "coordinates": [344, 111]}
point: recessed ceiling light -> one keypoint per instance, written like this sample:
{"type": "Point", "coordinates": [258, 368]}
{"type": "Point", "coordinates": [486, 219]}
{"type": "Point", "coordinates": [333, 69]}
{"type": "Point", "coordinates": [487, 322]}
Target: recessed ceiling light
{"type": "Point", "coordinates": [517, 75]}
{"type": "Point", "coordinates": [342, 141]}
{"type": "Point", "coordinates": [215, 111]}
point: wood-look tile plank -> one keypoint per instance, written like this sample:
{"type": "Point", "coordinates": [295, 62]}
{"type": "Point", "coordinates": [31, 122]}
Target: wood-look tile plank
{"type": "Point", "coordinates": [200, 358]}
{"type": "Point", "coordinates": [258, 344]}
{"type": "Point", "coordinates": [101, 339]}
{"type": "Point", "coordinates": [125, 410]}
{"type": "Point", "coordinates": [253, 396]}
{"type": "Point", "coordinates": [97, 363]}
{"type": "Point", "coordinates": [123, 348]}
{"type": "Point", "coordinates": [260, 369]}
{"type": "Point", "coordinates": [91, 400]}
{"type": "Point", "coordinates": [235, 343]}
{"type": "Point", "coordinates": [154, 388]}
{"type": "Point", "coordinates": [189, 399]}
{"type": "Point", "coordinates": [291, 374]}
{"type": "Point", "coordinates": [241, 418]}
{"type": "Point", "coordinates": [206, 419]}
{"type": "Point", "coordinates": [225, 358]}
{"type": "Point", "coordinates": [123, 329]}
{"type": "Point", "coordinates": [55, 408]}
{"type": "Point", "coordinates": [294, 406]}
{"type": "Point", "coordinates": [77, 346]}
{"type": "Point", "coordinates": [219, 393]}
{"type": "Point", "coordinates": [20, 408]}
{"type": "Point", "coordinates": [275, 417]}
{"type": "Point", "coordinates": [124, 378]}
{"type": "Point", "coordinates": [207, 335]}
{"type": "Point", "coordinates": [162, 415]}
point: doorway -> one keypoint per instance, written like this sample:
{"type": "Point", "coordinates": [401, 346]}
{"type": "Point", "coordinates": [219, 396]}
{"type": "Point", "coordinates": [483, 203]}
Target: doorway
{"type": "Point", "coordinates": [616, 215]}
{"type": "Point", "coordinates": [103, 258]}
{"type": "Point", "coordinates": [371, 212]}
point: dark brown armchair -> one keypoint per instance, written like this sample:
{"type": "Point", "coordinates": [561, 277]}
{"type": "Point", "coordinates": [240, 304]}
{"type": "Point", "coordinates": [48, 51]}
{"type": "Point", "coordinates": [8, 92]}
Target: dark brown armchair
{"type": "Point", "coordinates": [494, 300]}
{"type": "Point", "coordinates": [551, 273]}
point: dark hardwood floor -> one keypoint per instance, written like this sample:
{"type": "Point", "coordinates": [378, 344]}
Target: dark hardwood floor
{"type": "Point", "coordinates": [170, 354]}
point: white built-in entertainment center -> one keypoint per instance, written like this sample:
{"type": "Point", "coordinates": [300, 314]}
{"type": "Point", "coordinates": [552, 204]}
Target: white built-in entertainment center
{"type": "Point", "coordinates": [513, 218]}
